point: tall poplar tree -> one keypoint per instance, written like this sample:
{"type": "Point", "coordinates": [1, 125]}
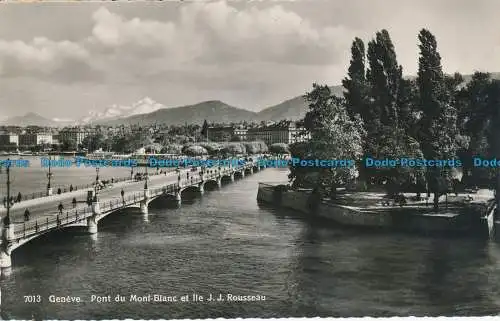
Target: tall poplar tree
{"type": "Point", "coordinates": [384, 76]}
{"type": "Point", "coordinates": [356, 92]}
{"type": "Point", "coordinates": [390, 114]}
{"type": "Point", "coordinates": [493, 138]}
{"type": "Point", "coordinates": [355, 85]}
{"type": "Point", "coordinates": [438, 130]}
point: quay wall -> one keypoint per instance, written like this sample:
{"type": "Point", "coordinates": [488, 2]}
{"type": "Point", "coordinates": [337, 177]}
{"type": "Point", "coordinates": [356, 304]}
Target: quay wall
{"type": "Point", "coordinates": [407, 218]}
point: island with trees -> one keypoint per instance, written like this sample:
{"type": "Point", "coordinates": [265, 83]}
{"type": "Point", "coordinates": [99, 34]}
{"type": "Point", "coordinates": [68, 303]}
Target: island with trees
{"type": "Point", "coordinates": [385, 115]}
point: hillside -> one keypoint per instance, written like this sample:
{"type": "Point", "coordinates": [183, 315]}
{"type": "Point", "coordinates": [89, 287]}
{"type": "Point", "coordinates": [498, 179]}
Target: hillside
{"type": "Point", "coordinates": [296, 108]}
{"type": "Point", "coordinates": [213, 111]}
{"type": "Point", "coordinates": [292, 109]}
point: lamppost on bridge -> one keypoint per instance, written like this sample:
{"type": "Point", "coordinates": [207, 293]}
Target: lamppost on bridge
{"type": "Point", "coordinates": [49, 177]}
{"type": "Point", "coordinates": [96, 189]}
{"type": "Point", "coordinates": [7, 231]}
{"type": "Point", "coordinates": [8, 201]}
{"type": "Point", "coordinates": [147, 176]}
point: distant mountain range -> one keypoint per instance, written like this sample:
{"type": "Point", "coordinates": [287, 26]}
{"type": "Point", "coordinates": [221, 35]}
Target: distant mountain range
{"type": "Point", "coordinates": [34, 119]}
{"type": "Point", "coordinates": [147, 111]}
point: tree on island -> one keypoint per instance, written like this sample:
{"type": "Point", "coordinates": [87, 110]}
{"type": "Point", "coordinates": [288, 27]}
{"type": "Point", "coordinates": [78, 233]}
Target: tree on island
{"type": "Point", "coordinates": [493, 138]}
{"type": "Point", "coordinates": [334, 135]}
{"type": "Point", "coordinates": [356, 91]}
{"type": "Point", "coordinates": [476, 110]}
{"type": "Point", "coordinates": [438, 125]}
{"type": "Point", "coordinates": [383, 99]}
{"type": "Point", "coordinates": [355, 84]}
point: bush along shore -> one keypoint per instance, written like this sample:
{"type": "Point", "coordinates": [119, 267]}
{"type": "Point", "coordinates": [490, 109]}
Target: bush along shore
{"type": "Point", "coordinates": [383, 115]}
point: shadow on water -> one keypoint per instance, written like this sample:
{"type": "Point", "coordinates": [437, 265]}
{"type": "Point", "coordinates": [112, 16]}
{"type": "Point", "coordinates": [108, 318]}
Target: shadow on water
{"type": "Point", "coordinates": [375, 273]}
{"type": "Point", "coordinates": [456, 278]}
{"type": "Point", "coordinates": [51, 247]}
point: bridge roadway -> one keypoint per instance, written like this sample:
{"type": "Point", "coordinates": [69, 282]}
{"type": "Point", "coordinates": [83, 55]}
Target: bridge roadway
{"type": "Point", "coordinates": [47, 206]}
{"type": "Point", "coordinates": [45, 216]}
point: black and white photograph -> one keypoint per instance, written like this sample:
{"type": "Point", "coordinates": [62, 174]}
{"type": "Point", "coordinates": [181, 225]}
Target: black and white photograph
{"type": "Point", "coordinates": [249, 159]}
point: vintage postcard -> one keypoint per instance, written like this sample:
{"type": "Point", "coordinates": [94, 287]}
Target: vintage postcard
{"type": "Point", "coordinates": [249, 159]}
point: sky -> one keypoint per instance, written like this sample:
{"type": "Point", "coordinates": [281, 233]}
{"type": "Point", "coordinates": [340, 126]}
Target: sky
{"type": "Point", "coordinates": [62, 59]}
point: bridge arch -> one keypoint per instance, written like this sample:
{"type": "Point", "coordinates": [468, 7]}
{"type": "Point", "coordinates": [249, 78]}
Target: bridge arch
{"type": "Point", "coordinates": [212, 184]}
{"type": "Point", "coordinates": [189, 189]}
{"type": "Point", "coordinates": [227, 179]}
{"type": "Point", "coordinates": [239, 174]}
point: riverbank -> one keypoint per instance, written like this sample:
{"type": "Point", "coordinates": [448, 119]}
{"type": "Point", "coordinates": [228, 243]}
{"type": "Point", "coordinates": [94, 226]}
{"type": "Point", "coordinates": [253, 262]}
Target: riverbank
{"type": "Point", "coordinates": [464, 214]}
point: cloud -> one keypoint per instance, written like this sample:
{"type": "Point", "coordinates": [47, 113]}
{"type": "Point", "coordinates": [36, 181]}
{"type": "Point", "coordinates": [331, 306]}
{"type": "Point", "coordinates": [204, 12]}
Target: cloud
{"type": "Point", "coordinates": [122, 48]}
{"type": "Point", "coordinates": [215, 32]}
{"type": "Point", "coordinates": [41, 57]}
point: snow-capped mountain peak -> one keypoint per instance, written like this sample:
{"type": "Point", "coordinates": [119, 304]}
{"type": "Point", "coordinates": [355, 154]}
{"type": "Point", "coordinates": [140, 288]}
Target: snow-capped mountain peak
{"type": "Point", "coordinates": [143, 106]}
{"type": "Point", "coordinates": [62, 120]}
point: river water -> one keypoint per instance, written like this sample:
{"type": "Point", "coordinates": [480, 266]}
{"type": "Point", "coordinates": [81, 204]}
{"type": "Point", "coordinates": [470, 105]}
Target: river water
{"type": "Point", "coordinates": [34, 178]}
{"type": "Point", "coordinates": [224, 242]}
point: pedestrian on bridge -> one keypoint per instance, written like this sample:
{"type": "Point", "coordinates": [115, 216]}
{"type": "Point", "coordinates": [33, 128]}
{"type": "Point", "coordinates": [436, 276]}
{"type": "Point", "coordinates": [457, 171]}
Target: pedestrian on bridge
{"type": "Point", "coordinates": [74, 202]}
{"type": "Point", "coordinates": [60, 208]}
{"type": "Point", "coordinates": [71, 188]}
{"type": "Point", "coordinates": [19, 197]}
{"type": "Point", "coordinates": [27, 215]}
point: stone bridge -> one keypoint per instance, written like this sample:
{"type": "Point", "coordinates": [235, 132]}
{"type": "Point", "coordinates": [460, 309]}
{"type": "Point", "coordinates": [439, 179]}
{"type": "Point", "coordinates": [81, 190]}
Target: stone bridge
{"type": "Point", "coordinates": [16, 234]}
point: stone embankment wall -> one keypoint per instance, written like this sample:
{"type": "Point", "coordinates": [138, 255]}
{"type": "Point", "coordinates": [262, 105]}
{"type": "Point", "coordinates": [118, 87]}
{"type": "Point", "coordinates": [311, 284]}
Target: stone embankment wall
{"type": "Point", "coordinates": [407, 218]}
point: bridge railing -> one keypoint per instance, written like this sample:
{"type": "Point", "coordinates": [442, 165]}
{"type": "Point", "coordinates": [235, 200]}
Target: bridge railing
{"type": "Point", "coordinates": [76, 215]}
{"type": "Point", "coordinates": [66, 189]}
{"type": "Point", "coordinates": [36, 195]}
{"type": "Point", "coordinates": [43, 224]}
{"type": "Point", "coordinates": [72, 216]}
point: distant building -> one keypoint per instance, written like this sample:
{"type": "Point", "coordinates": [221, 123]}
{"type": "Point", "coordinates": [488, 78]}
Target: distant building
{"type": "Point", "coordinates": [11, 129]}
{"type": "Point", "coordinates": [9, 139]}
{"type": "Point", "coordinates": [76, 134]}
{"type": "Point", "coordinates": [35, 139]}
{"type": "Point", "coordinates": [226, 133]}
{"type": "Point", "coordinates": [284, 132]}
{"type": "Point", "coordinates": [55, 138]}
{"type": "Point", "coordinates": [220, 133]}
{"type": "Point", "coordinates": [241, 133]}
